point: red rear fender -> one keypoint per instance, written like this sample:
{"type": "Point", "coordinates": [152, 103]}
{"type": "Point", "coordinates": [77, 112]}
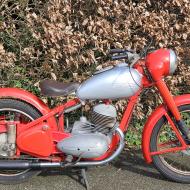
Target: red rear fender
{"type": "Point", "coordinates": [153, 119]}
{"type": "Point", "coordinates": [28, 97]}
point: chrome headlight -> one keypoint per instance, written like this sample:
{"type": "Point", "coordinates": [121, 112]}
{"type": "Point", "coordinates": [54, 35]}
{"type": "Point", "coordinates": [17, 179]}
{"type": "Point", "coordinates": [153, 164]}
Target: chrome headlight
{"type": "Point", "coordinates": [173, 62]}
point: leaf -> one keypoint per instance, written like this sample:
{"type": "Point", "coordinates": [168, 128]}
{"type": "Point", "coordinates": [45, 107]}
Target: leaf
{"type": "Point", "coordinates": [53, 76]}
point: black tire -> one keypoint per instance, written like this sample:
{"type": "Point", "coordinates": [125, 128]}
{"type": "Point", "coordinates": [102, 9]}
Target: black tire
{"type": "Point", "coordinates": [12, 177]}
{"type": "Point", "coordinates": [161, 162]}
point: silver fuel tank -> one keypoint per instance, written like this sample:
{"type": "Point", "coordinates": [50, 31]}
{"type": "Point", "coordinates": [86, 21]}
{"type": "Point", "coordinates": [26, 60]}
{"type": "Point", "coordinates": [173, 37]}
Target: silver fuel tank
{"type": "Point", "coordinates": [111, 83]}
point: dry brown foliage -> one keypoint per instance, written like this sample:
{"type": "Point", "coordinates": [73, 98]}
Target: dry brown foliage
{"type": "Point", "coordinates": [69, 40]}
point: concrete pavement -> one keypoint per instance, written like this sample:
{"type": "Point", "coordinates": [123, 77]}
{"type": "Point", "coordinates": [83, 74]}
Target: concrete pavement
{"type": "Point", "coordinates": [129, 171]}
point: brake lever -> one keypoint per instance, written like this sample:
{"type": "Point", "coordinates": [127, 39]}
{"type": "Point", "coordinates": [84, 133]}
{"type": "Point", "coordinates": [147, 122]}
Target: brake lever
{"type": "Point", "coordinates": [134, 60]}
{"type": "Point", "coordinates": [129, 54]}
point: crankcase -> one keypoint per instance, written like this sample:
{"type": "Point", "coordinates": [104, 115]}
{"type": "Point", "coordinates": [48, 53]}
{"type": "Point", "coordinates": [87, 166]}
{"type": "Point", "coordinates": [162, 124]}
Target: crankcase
{"type": "Point", "coordinates": [85, 145]}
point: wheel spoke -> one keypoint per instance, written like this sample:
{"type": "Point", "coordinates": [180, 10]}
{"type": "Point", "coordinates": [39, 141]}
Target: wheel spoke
{"type": "Point", "coordinates": [178, 162]}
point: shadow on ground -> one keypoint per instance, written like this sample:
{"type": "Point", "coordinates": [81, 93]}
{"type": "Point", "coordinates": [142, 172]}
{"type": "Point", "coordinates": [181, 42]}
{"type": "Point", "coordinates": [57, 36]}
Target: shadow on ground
{"type": "Point", "coordinates": [133, 161]}
{"type": "Point", "coordinates": [130, 160]}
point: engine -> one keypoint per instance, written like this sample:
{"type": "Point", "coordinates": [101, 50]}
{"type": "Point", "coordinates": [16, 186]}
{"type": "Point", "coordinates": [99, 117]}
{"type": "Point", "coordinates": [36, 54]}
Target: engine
{"type": "Point", "coordinates": [103, 119]}
{"type": "Point", "coordinates": [8, 141]}
{"type": "Point", "coordinates": [3, 143]}
{"type": "Point", "coordinates": [91, 139]}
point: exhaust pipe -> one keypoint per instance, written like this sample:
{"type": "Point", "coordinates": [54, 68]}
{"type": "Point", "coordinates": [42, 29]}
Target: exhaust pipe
{"type": "Point", "coordinates": [19, 164]}
{"type": "Point", "coordinates": [14, 165]}
{"type": "Point", "coordinates": [109, 159]}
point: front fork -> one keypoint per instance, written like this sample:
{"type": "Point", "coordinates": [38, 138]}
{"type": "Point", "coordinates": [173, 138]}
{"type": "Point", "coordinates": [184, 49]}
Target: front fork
{"type": "Point", "coordinates": [168, 99]}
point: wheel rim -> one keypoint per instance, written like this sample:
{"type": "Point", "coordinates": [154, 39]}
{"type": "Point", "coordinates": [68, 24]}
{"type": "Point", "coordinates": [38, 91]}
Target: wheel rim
{"type": "Point", "coordinates": [178, 162]}
{"type": "Point", "coordinates": [25, 118]}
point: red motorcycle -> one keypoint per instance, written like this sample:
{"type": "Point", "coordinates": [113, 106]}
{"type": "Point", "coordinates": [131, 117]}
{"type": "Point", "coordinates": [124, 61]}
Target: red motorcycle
{"type": "Point", "coordinates": [34, 137]}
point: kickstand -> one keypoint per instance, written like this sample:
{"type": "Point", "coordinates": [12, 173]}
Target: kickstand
{"type": "Point", "coordinates": [83, 179]}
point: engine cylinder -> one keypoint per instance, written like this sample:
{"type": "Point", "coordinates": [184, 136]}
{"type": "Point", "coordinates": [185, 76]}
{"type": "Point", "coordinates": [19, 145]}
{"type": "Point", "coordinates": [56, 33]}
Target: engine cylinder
{"type": "Point", "coordinates": [103, 117]}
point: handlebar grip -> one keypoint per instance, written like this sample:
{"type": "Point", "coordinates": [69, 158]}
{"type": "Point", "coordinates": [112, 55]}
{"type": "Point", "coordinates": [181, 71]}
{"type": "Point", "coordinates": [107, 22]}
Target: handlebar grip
{"type": "Point", "coordinates": [112, 51]}
{"type": "Point", "coordinates": [117, 57]}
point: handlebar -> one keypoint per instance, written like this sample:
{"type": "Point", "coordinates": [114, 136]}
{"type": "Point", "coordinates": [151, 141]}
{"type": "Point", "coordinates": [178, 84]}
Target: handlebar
{"type": "Point", "coordinates": [124, 54]}
{"type": "Point", "coordinates": [118, 57]}
{"type": "Point", "coordinates": [112, 51]}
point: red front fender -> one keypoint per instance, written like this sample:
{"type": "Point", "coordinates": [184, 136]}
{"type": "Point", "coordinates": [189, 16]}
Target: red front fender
{"type": "Point", "coordinates": [153, 119]}
{"type": "Point", "coordinates": [28, 97]}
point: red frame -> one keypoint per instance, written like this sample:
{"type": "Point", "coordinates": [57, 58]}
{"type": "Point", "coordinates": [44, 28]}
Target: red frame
{"type": "Point", "coordinates": [153, 119]}
{"type": "Point", "coordinates": [54, 130]}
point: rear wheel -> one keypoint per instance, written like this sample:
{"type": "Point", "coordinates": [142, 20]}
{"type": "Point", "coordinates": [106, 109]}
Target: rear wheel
{"type": "Point", "coordinates": [11, 109]}
{"type": "Point", "coordinates": [173, 165]}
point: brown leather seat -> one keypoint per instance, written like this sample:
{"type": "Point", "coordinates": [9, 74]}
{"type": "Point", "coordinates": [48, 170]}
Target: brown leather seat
{"type": "Point", "coordinates": [54, 88]}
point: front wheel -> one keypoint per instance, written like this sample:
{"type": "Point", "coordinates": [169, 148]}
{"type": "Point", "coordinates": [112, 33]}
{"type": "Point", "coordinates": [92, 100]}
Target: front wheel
{"type": "Point", "coordinates": [173, 165]}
